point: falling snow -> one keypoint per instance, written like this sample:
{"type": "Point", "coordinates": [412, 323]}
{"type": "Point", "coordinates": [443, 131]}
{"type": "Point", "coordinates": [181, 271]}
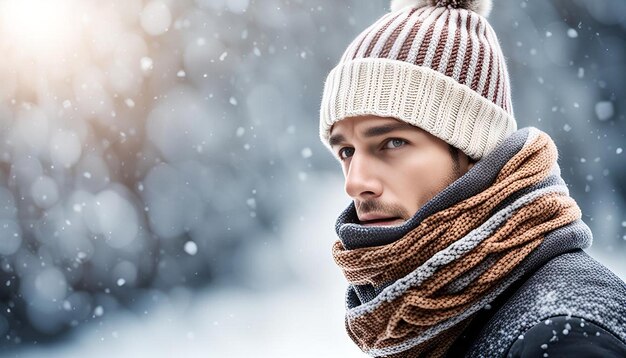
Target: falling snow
{"type": "Point", "coordinates": [604, 110]}
{"type": "Point", "coordinates": [98, 311]}
{"type": "Point", "coordinates": [162, 146]}
{"type": "Point", "coordinates": [146, 64]}
{"type": "Point", "coordinates": [572, 33]}
{"type": "Point", "coordinates": [191, 248]}
{"type": "Point", "coordinates": [306, 152]}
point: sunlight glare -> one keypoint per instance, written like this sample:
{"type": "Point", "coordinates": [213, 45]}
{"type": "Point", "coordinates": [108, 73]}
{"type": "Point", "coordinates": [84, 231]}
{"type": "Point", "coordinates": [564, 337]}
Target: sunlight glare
{"type": "Point", "coordinates": [38, 28]}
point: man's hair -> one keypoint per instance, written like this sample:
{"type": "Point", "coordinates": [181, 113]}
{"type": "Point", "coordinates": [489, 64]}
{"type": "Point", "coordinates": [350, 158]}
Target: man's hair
{"type": "Point", "coordinates": [455, 154]}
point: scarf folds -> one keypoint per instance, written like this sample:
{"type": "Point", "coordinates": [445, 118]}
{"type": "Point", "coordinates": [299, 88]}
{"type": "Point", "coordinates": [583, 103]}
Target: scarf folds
{"type": "Point", "coordinates": [414, 288]}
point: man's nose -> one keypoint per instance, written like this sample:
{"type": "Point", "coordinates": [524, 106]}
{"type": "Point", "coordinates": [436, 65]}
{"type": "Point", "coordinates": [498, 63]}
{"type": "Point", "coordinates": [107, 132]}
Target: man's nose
{"type": "Point", "coordinates": [362, 179]}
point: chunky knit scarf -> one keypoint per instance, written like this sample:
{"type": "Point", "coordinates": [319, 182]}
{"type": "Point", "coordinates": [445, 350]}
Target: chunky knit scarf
{"type": "Point", "coordinates": [415, 287]}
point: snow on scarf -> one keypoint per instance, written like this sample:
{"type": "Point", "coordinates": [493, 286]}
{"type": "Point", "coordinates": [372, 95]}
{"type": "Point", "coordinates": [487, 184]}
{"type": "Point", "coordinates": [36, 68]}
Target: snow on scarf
{"type": "Point", "coordinates": [415, 287]}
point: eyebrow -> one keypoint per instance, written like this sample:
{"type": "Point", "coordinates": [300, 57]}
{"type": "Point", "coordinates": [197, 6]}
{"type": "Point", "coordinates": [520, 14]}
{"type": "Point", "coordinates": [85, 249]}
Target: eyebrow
{"type": "Point", "coordinates": [371, 132]}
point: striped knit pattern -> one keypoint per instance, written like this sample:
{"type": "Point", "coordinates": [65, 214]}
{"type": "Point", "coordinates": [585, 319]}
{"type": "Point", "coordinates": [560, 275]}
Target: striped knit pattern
{"type": "Point", "coordinates": [438, 68]}
{"type": "Point", "coordinates": [418, 314]}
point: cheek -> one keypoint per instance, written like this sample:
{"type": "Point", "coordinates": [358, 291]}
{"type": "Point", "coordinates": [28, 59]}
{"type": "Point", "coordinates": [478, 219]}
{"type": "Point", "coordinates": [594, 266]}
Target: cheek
{"type": "Point", "coordinates": [430, 167]}
{"type": "Point", "coordinates": [424, 176]}
{"type": "Point", "coordinates": [442, 173]}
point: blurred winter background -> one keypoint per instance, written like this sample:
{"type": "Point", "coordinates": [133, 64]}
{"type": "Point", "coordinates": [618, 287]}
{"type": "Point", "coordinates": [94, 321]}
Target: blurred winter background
{"type": "Point", "coordinates": [163, 191]}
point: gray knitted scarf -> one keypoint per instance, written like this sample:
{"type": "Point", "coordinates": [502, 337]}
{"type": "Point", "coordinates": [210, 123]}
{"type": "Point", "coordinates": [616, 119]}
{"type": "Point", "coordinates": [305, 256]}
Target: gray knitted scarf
{"type": "Point", "coordinates": [362, 299]}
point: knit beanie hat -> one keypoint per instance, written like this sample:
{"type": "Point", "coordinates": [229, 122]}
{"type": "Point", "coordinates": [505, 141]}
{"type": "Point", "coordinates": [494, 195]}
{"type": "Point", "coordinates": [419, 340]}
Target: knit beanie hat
{"type": "Point", "coordinates": [435, 64]}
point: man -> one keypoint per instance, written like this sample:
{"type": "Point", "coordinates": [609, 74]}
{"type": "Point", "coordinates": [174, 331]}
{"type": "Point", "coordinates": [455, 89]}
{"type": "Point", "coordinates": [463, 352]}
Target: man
{"type": "Point", "coordinates": [462, 239]}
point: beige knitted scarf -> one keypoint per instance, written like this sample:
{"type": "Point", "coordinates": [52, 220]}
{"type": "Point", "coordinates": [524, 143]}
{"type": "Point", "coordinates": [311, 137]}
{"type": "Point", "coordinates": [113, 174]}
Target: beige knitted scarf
{"type": "Point", "coordinates": [479, 241]}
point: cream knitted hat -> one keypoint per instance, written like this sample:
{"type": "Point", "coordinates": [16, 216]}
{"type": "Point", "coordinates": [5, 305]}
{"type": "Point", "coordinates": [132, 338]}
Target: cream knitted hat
{"type": "Point", "coordinates": [434, 64]}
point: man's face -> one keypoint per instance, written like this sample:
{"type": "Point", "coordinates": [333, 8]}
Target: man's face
{"type": "Point", "coordinates": [392, 168]}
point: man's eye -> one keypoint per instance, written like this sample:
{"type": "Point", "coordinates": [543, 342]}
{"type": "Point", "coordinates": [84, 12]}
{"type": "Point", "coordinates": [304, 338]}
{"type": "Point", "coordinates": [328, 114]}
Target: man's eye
{"type": "Point", "coordinates": [345, 152]}
{"type": "Point", "coordinates": [395, 143]}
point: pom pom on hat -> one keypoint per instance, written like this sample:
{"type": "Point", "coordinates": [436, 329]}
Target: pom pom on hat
{"type": "Point", "coordinates": [481, 7]}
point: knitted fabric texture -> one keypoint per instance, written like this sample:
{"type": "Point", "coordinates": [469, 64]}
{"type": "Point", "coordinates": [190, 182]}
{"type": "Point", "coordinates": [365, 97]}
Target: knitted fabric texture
{"type": "Point", "coordinates": [427, 284]}
{"type": "Point", "coordinates": [438, 68]}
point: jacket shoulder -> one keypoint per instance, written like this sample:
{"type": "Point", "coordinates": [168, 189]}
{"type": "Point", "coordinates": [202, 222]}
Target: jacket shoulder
{"type": "Point", "coordinates": [572, 284]}
{"type": "Point", "coordinates": [565, 336]}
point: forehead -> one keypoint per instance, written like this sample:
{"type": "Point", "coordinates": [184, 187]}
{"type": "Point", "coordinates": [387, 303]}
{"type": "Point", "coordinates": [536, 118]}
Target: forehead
{"type": "Point", "coordinates": [367, 127]}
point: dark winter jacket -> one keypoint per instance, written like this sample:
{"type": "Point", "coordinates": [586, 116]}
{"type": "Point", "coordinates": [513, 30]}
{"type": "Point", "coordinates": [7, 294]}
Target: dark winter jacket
{"type": "Point", "coordinates": [570, 307]}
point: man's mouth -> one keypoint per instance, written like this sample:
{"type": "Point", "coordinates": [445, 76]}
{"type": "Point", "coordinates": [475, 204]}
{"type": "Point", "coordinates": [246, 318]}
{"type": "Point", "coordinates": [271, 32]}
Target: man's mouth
{"type": "Point", "coordinates": [382, 221]}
